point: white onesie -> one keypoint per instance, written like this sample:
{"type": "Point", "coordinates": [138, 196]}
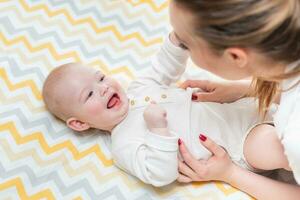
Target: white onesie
{"type": "Point", "coordinates": [153, 158]}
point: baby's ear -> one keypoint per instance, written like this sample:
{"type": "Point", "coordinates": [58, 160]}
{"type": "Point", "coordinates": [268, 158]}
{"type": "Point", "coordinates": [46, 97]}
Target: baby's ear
{"type": "Point", "coordinates": [77, 125]}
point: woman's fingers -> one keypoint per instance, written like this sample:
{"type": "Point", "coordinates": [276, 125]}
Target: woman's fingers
{"type": "Point", "coordinates": [186, 155]}
{"type": "Point", "coordinates": [217, 167]}
{"type": "Point", "coordinates": [201, 84]}
{"type": "Point", "coordinates": [206, 91]}
{"type": "Point", "coordinates": [204, 96]}
{"type": "Point", "coordinates": [186, 170]}
{"type": "Point", "coordinates": [183, 179]}
{"type": "Point", "coordinates": [212, 146]}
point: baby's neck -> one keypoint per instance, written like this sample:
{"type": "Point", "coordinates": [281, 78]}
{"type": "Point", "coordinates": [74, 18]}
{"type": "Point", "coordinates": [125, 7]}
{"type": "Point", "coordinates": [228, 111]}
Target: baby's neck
{"type": "Point", "coordinates": [110, 129]}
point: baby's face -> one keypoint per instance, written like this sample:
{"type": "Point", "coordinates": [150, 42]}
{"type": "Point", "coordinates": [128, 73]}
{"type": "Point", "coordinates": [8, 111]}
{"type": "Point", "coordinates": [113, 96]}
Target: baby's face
{"type": "Point", "coordinates": [94, 98]}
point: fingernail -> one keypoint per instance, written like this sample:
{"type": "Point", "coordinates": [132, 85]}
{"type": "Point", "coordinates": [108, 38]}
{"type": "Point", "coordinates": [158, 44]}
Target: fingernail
{"type": "Point", "coordinates": [202, 137]}
{"type": "Point", "coordinates": [179, 142]}
{"type": "Point", "coordinates": [194, 97]}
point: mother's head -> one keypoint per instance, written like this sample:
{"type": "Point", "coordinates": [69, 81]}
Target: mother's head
{"type": "Point", "coordinates": [239, 38]}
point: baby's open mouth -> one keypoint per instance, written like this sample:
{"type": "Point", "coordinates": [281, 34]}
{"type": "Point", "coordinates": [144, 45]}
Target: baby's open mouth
{"type": "Point", "coordinates": [113, 101]}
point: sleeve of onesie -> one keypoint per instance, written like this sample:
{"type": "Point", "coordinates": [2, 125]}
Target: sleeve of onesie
{"type": "Point", "coordinates": [153, 161]}
{"type": "Point", "coordinates": [166, 67]}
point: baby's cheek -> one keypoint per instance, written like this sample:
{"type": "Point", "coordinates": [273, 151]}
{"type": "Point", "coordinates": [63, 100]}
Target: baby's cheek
{"type": "Point", "coordinates": [95, 108]}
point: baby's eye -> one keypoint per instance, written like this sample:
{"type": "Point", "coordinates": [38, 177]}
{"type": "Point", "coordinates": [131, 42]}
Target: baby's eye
{"type": "Point", "coordinates": [90, 94]}
{"type": "Point", "coordinates": [183, 46]}
{"type": "Point", "coordinates": [102, 78]}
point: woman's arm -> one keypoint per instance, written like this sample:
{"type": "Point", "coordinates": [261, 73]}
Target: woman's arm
{"type": "Point", "coordinates": [262, 187]}
{"type": "Point", "coordinates": [222, 91]}
{"type": "Point", "coordinates": [220, 167]}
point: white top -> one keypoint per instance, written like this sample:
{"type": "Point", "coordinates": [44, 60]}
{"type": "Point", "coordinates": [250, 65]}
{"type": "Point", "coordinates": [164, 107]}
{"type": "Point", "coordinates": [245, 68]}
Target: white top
{"type": "Point", "coordinates": [153, 158]}
{"type": "Point", "coordinates": [287, 122]}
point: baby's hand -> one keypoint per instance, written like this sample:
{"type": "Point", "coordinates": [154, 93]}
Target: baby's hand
{"type": "Point", "coordinates": [156, 119]}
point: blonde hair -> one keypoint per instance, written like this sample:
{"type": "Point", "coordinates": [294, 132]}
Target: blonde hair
{"type": "Point", "coordinates": [52, 96]}
{"type": "Point", "coordinates": [272, 27]}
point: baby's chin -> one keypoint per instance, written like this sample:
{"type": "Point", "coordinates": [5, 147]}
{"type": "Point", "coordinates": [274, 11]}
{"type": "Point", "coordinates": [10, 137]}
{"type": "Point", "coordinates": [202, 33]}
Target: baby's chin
{"type": "Point", "coordinates": [124, 109]}
{"type": "Point", "coordinates": [122, 113]}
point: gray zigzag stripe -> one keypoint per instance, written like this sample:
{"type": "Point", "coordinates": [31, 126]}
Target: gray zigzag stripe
{"type": "Point", "coordinates": [150, 32]}
{"type": "Point", "coordinates": [13, 67]}
{"type": "Point", "coordinates": [64, 189]}
{"type": "Point", "coordinates": [76, 43]}
{"type": "Point", "coordinates": [134, 50]}
{"type": "Point", "coordinates": [44, 121]}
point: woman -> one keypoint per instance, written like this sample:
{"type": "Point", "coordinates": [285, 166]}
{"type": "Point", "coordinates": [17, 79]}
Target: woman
{"type": "Point", "coordinates": [236, 39]}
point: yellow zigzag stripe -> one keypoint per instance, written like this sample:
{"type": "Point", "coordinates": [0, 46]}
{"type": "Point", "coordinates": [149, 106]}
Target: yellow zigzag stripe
{"type": "Point", "coordinates": [92, 23]}
{"type": "Point", "coordinates": [150, 18]}
{"type": "Point", "coordinates": [221, 186]}
{"type": "Point", "coordinates": [130, 14]}
{"type": "Point", "coordinates": [91, 167]}
{"type": "Point", "coordinates": [21, 98]}
{"type": "Point", "coordinates": [85, 168]}
{"type": "Point", "coordinates": [151, 3]}
{"type": "Point", "coordinates": [9, 126]}
{"type": "Point", "coordinates": [122, 69]}
{"type": "Point", "coordinates": [48, 65]}
{"type": "Point", "coordinates": [83, 33]}
{"type": "Point", "coordinates": [48, 46]}
{"type": "Point", "coordinates": [25, 98]}
{"type": "Point", "coordinates": [106, 70]}
{"type": "Point", "coordinates": [26, 58]}
{"type": "Point", "coordinates": [186, 192]}
{"type": "Point", "coordinates": [21, 85]}
{"type": "Point", "coordinates": [228, 191]}
{"type": "Point", "coordinates": [37, 93]}
{"type": "Point", "coordinates": [42, 58]}
{"type": "Point", "coordinates": [17, 183]}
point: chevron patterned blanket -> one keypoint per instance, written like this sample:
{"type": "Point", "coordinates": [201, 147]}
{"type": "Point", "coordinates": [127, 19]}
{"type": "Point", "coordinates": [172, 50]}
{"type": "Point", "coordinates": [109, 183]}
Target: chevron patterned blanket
{"type": "Point", "coordinates": [40, 158]}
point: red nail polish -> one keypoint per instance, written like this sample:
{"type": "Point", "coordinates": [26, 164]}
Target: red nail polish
{"type": "Point", "coordinates": [202, 137]}
{"type": "Point", "coordinates": [179, 142]}
{"type": "Point", "coordinates": [194, 97]}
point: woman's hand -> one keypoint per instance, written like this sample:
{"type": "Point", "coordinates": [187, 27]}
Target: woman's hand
{"type": "Point", "coordinates": [223, 92]}
{"type": "Point", "coordinates": [217, 167]}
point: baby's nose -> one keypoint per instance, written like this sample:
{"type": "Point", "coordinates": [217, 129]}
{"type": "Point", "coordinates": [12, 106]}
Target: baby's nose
{"type": "Point", "coordinates": [103, 89]}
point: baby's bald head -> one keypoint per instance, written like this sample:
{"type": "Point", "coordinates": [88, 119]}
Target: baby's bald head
{"type": "Point", "coordinates": [53, 91]}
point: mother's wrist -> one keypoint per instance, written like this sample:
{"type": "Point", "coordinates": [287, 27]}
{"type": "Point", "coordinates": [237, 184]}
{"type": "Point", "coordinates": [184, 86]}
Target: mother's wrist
{"type": "Point", "coordinates": [231, 173]}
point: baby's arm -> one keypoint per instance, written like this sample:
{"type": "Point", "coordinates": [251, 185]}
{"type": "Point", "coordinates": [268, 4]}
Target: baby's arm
{"type": "Point", "coordinates": [154, 160]}
{"type": "Point", "coordinates": [166, 67]}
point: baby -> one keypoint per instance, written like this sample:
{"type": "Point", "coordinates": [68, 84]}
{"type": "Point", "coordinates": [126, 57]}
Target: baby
{"type": "Point", "coordinates": [146, 122]}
